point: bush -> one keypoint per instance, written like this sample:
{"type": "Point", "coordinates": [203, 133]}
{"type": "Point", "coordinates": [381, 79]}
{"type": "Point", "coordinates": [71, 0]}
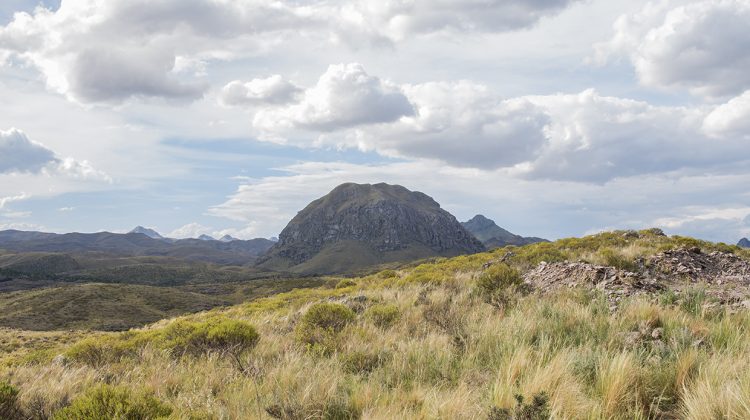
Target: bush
{"type": "Point", "coordinates": [321, 324]}
{"type": "Point", "coordinates": [537, 409]}
{"type": "Point", "coordinates": [614, 259]}
{"type": "Point", "coordinates": [227, 336]}
{"type": "Point", "coordinates": [108, 402]}
{"type": "Point", "coordinates": [359, 362]}
{"type": "Point", "coordinates": [344, 283]}
{"type": "Point", "coordinates": [388, 274]}
{"type": "Point", "coordinates": [99, 350]}
{"type": "Point", "coordinates": [383, 315]}
{"type": "Point", "coordinates": [8, 401]}
{"type": "Point", "coordinates": [497, 284]}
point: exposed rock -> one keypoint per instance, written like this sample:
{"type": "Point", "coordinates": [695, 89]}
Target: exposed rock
{"type": "Point", "coordinates": [695, 266]}
{"type": "Point", "coordinates": [744, 243]}
{"type": "Point", "coordinates": [357, 225]}
{"type": "Point", "coordinates": [615, 283]}
{"type": "Point", "coordinates": [493, 236]}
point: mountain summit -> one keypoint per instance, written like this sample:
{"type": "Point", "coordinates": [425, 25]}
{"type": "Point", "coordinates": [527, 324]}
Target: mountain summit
{"type": "Point", "coordinates": [360, 225]}
{"type": "Point", "coordinates": [744, 243]}
{"type": "Point", "coordinates": [148, 232]}
{"type": "Point", "coordinates": [493, 236]}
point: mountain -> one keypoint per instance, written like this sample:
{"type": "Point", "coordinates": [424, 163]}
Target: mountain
{"type": "Point", "coordinates": [146, 231]}
{"type": "Point", "coordinates": [493, 236]}
{"type": "Point", "coordinates": [227, 238]}
{"type": "Point", "coordinates": [744, 243]}
{"type": "Point", "coordinates": [135, 244]}
{"type": "Point", "coordinates": [360, 225]}
{"type": "Point", "coordinates": [206, 238]}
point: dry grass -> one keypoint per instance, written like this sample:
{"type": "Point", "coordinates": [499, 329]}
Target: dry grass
{"type": "Point", "coordinates": [447, 355]}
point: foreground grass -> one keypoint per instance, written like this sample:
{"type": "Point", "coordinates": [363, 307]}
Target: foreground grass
{"type": "Point", "coordinates": [419, 343]}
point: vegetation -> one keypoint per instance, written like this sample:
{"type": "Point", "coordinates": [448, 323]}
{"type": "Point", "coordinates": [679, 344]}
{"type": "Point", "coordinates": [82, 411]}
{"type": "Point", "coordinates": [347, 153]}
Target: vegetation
{"type": "Point", "coordinates": [426, 341]}
{"type": "Point", "coordinates": [107, 402]}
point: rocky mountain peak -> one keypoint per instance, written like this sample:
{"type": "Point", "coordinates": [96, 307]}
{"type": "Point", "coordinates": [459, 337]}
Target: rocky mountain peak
{"type": "Point", "coordinates": [370, 224]}
{"type": "Point", "coordinates": [146, 231]}
{"type": "Point", "coordinates": [744, 243]}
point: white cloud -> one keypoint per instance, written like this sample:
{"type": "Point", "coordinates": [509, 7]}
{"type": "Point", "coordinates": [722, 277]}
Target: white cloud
{"type": "Point", "coordinates": [583, 137]}
{"type": "Point", "coordinates": [4, 201]}
{"type": "Point", "coordinates": [702, 46]}
{"type": "Point", "coordinates": [344, 96]}
{"type": "Point", "coordinates": [19, 154]}
{"type": "Point", "coordinates": [273, 90]}
{"type": "Point", "coordinates": [731, 118]}
{"type": "Point", "coordinates": [190, 230]}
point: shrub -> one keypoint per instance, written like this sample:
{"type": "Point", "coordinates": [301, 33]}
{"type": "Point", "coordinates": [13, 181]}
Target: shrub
{"type": "Point", "coordinates": [383, 315]}
{"type": "Point", "coordinates": [226, 336]}
{"type": "Point", "coordinates": [321, 324]}
{"type": "Point", "coordinates": [614, 259]}
{"type": "Point", "coordinates": [344, 283]}
{"type": "Point", "coordinates": [108, 402]}
{"type": "Point", "coordinates": [388, 274]}
{"type": "Point", "coordinates": [497, 284]}
{"type": "Point", "coordinates": [537, 409]}
{"type": "Point", "coordinates": [99, 350]}
{"type": "Point", "coordinates": [8, 401]}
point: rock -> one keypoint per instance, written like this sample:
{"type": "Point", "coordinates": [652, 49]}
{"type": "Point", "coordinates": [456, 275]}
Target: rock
{"type": "Point", "coordinates": [360, 225]}
{"type": "Point", "coordinates": [632, 339]}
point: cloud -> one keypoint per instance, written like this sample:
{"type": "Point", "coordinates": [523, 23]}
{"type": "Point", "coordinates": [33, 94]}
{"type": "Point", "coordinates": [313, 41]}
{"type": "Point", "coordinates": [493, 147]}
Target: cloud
{"type": "Point", "coordinates": [397, 20]}
{"type": "Point", "coordinates": [584, 137]}
{"type": "Point", "coordinates": [19, 154]}
{"type": "Point", "coordinates": [10, 199]}
{"type": "Point", "coordinates": [703, 46]}
{"type": "Point", "coordinates": [273, 90]}
{"type": "Point", "coordinates": [344, 96]}
{"type": "Point", "coordinates": [730, 119]}
{"type": "Point", "coordinates": [190, 230]}
{"type": "Point", "coordinates": [96, 51]}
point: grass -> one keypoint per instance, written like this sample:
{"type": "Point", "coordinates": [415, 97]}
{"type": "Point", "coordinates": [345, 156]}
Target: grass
{"type": "Point", "coordinates": [421, 342]}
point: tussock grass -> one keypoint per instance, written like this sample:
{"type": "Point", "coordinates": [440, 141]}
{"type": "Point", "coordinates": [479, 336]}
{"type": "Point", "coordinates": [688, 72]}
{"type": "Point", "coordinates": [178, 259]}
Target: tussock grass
{"type": "Point", "coordinates": [421, 342]}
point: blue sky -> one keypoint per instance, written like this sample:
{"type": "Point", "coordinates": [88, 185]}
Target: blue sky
{"type": "Point", "coordinates": [555, 118]}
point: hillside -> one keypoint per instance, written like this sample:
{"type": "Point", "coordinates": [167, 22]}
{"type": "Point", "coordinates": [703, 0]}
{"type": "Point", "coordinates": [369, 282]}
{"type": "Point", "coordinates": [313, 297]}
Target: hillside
{"type": "Point", "coordinates": [744, 243]}
{"type": "Point", "coordinates": [360, 225]}
{"type": "Point", "coordinates": [618, 325]}
{"type": "Point", "coordinates": [493, 236]}
{"type": "Point", "coordinates": [136, 244]}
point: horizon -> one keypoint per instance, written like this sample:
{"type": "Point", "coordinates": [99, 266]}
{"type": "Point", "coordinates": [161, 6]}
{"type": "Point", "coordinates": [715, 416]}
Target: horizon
{"type": "Point", "coordinates": [554, 119]}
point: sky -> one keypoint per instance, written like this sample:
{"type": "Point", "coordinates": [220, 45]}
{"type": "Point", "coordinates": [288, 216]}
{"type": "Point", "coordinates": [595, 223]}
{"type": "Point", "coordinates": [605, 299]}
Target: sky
{"type": "Point", "coordinates": [554, 118]}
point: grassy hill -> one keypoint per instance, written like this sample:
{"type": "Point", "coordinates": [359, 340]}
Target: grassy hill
{"type": "Point", "coordinates": [455, 338]}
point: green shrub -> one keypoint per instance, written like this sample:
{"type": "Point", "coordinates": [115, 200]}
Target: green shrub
{"type": "Point", "coordinates": [321, 324]}
{"type": "Point", "coordinates": [220, 335]}
{"type": "Point", "coordinates": [108, 402]}
{"type": "Point", "coordinates": [344, 283]}
{"type": "Point", "coordinates": [614, 259]}
{"type": "Point", "coordinates": [498, 283]}
{"type": "Point", "coordinates": [388, 274]}
{"type": "Point", "coordinates": [8, 401]}
{"type": "Point", "coordinates": [99, 350]}
{"type": "Point", "coordinates": [383, 315]}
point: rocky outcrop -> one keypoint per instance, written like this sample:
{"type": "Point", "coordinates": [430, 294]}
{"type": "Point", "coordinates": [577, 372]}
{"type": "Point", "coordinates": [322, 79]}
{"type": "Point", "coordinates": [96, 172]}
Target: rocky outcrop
{"type": "Point", "coordinates": [361, 224]}
{"type": "Point", "coordinates": [723, 276]}
{"type": "Point", "coordinates": [744, 243]}
{"type": "Point", "coordinates": [493, 236]}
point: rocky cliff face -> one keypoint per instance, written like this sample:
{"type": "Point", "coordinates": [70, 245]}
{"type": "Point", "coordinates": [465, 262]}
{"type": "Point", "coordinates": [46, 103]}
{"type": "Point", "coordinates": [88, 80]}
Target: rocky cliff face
{"type": "Point", "coordinates": [493, 236]}
{"type": "Point", "coordinates": [369, 224]}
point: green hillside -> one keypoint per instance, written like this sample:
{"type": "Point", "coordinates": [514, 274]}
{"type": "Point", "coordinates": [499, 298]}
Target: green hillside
{"type": "Point", "coordinates": [474, 336]}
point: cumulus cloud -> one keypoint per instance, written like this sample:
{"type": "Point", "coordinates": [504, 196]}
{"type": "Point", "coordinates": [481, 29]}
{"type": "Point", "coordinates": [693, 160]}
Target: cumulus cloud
{"type": "Point", "coordinates": [96, 51]}
{"type": "Point", "coordinates": [344, 96]}
{"type": "Point", "coordinates": [702, 46]}
{"type": "Point", "coordinates": [273, 90]}
{"type": "Point", "coordinates": [393, 21]}
{"type": "Point", "coordinates": [582, 136]}
{"type": "Point", "coordinates": [730, 119]}
{"type": "Point", "coordinates": [19, 154]}
{"type": "Point", "coordinates": [190, 230]}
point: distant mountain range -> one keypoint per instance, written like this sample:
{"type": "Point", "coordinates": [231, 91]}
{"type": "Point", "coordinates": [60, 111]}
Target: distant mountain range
{"type": "Point", "coordinates": [360, 225]}
{"type": "Point", "coordinates": [493, 236]}
{"type": "Point", "coordinates": [144, 243]}
{"type": "Point", "coordinates": [744, 243]}
{"type": "Point", "coordinates": [148, 232]}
